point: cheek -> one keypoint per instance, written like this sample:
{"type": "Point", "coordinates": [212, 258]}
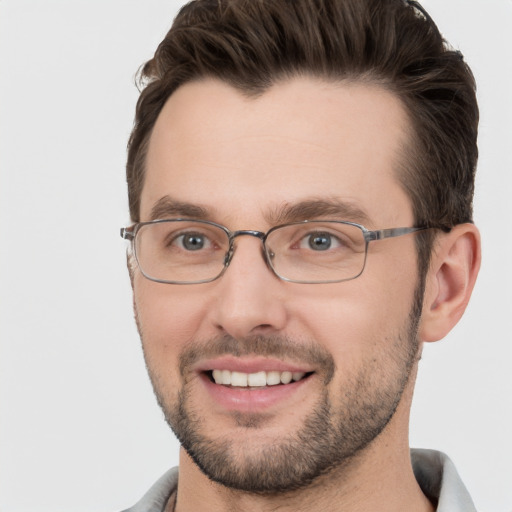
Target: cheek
{"type": "Point", "coordinates": [168, 317]}
{"type": "Point", "coordinates": [356, 319]}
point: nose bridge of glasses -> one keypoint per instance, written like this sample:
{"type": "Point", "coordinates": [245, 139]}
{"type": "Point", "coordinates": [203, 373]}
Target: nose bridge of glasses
{"type": "Point", "coordinates": [248, 232]}
{"type": "Point", "coordinates": [243, 232]}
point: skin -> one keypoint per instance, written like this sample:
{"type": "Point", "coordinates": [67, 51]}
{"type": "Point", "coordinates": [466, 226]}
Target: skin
{"type": "Point", "coordinates": [241, 160]}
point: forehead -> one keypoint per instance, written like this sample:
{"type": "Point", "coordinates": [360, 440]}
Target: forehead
{"type": "Point", "coordinates": [301, 140]}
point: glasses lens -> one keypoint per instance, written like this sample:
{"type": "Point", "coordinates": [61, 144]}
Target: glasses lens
{"type": "Point", "coordinates": [317, 252]}
{"type": "Point", "coordinates": [180, 251]}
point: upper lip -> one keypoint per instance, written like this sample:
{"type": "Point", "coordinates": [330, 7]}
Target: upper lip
{"type": "Point", "coordinates": [251, 365]}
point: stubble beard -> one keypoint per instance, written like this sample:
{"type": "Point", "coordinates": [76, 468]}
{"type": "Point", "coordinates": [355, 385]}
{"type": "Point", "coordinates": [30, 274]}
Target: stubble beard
{"type": "Point", "coordinates": [332, 434]}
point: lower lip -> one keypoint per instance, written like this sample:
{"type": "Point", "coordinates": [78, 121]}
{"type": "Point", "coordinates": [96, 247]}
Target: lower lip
{"type": "Point", "coordinates": [252, 399]}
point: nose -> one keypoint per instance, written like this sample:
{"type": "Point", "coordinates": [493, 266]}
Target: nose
{"type": "Point", "coordinates": [249, 297]}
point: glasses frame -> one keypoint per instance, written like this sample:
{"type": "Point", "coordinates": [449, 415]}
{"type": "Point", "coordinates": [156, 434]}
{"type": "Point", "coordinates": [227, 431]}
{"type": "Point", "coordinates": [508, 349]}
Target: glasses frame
{"type": "Point", "coordinates": [130, 234]}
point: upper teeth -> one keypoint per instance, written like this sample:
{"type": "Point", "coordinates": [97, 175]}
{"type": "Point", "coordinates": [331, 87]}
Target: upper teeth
{"type": "Point", "coordinates": [258, 379]}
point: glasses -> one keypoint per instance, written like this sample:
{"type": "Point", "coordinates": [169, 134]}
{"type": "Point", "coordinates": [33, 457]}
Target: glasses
{"type": "Point", "coordinates": [187, 251]}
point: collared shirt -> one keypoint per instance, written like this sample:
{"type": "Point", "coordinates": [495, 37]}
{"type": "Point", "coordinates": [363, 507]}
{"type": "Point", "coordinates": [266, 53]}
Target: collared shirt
{"type": "Point", "coordinates": [434, 471]}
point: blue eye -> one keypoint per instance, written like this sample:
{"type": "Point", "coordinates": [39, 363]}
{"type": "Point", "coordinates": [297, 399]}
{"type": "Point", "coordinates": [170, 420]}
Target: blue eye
{"type": "Point", "coordinates": [319, 241]}
{"type": "Point", "coordinates": [193, 241]}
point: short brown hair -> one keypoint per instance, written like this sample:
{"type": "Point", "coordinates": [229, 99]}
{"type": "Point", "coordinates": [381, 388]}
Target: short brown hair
{"type": "Point", "coordinates": [252, 44]}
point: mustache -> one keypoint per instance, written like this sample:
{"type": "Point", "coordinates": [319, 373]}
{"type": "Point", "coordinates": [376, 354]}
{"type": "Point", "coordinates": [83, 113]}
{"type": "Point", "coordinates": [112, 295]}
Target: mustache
{"type": "Point", "coordinates": [278, 347]}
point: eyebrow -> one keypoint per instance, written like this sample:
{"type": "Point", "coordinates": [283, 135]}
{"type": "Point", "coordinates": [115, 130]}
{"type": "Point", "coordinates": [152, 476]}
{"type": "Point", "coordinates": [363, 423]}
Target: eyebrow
{"type": "Point", "coordinates": [167, 207]}
{"type": "Point", "coordinates": [334, 208]}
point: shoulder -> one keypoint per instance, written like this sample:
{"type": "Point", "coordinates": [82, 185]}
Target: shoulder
{"type": "Point", "coordinates": [157, 496]}
{"type": "Point", "coordinates": [438, 478]}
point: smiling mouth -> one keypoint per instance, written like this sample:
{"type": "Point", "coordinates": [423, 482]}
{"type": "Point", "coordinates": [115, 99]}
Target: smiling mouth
{"type": "Point", "coordinates": [255, 380]}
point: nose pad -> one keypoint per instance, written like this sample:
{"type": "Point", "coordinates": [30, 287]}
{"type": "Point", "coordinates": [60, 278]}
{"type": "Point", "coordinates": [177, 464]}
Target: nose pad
{"type": "Point", "coordinates": [248, 296]}
{"type": "Point", "coordinates": [232, 247]}
{"type": "Point", "coordinates": [266, 254]}
{"type": "Point", "coordinates": [229, 254]}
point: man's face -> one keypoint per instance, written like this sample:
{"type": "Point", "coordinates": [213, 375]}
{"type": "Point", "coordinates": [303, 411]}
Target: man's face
{"type": "Point", "coordinates": [334, 149]}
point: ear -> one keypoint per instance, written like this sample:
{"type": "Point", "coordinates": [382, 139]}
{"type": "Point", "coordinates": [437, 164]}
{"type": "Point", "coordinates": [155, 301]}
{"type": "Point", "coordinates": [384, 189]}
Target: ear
{"type": "Point", "coordinates": [454, 266]}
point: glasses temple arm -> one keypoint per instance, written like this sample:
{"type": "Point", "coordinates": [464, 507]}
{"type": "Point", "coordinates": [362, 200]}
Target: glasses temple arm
{"type": "Point", "coordinates": [390, 233]}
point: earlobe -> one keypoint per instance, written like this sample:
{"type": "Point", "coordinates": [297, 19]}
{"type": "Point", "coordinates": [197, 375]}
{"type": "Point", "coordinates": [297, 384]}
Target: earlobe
{"type": "Point", "coordinates": [454, 266]}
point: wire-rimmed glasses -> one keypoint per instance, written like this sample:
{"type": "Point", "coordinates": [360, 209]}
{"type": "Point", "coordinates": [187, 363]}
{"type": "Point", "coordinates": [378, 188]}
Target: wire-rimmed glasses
{"type": "Point", "coordinates": [189, 251]}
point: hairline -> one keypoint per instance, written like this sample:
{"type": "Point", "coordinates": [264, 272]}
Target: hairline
{"type": "Point", "coordinates": [408, 153]}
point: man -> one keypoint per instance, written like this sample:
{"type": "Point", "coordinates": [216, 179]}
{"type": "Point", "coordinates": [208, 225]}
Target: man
{"type": "Point", "coordinates": [300, 180]}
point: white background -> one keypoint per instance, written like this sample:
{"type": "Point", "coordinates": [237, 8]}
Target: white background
{"type": "Point", "coordinates": [79, 427]}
